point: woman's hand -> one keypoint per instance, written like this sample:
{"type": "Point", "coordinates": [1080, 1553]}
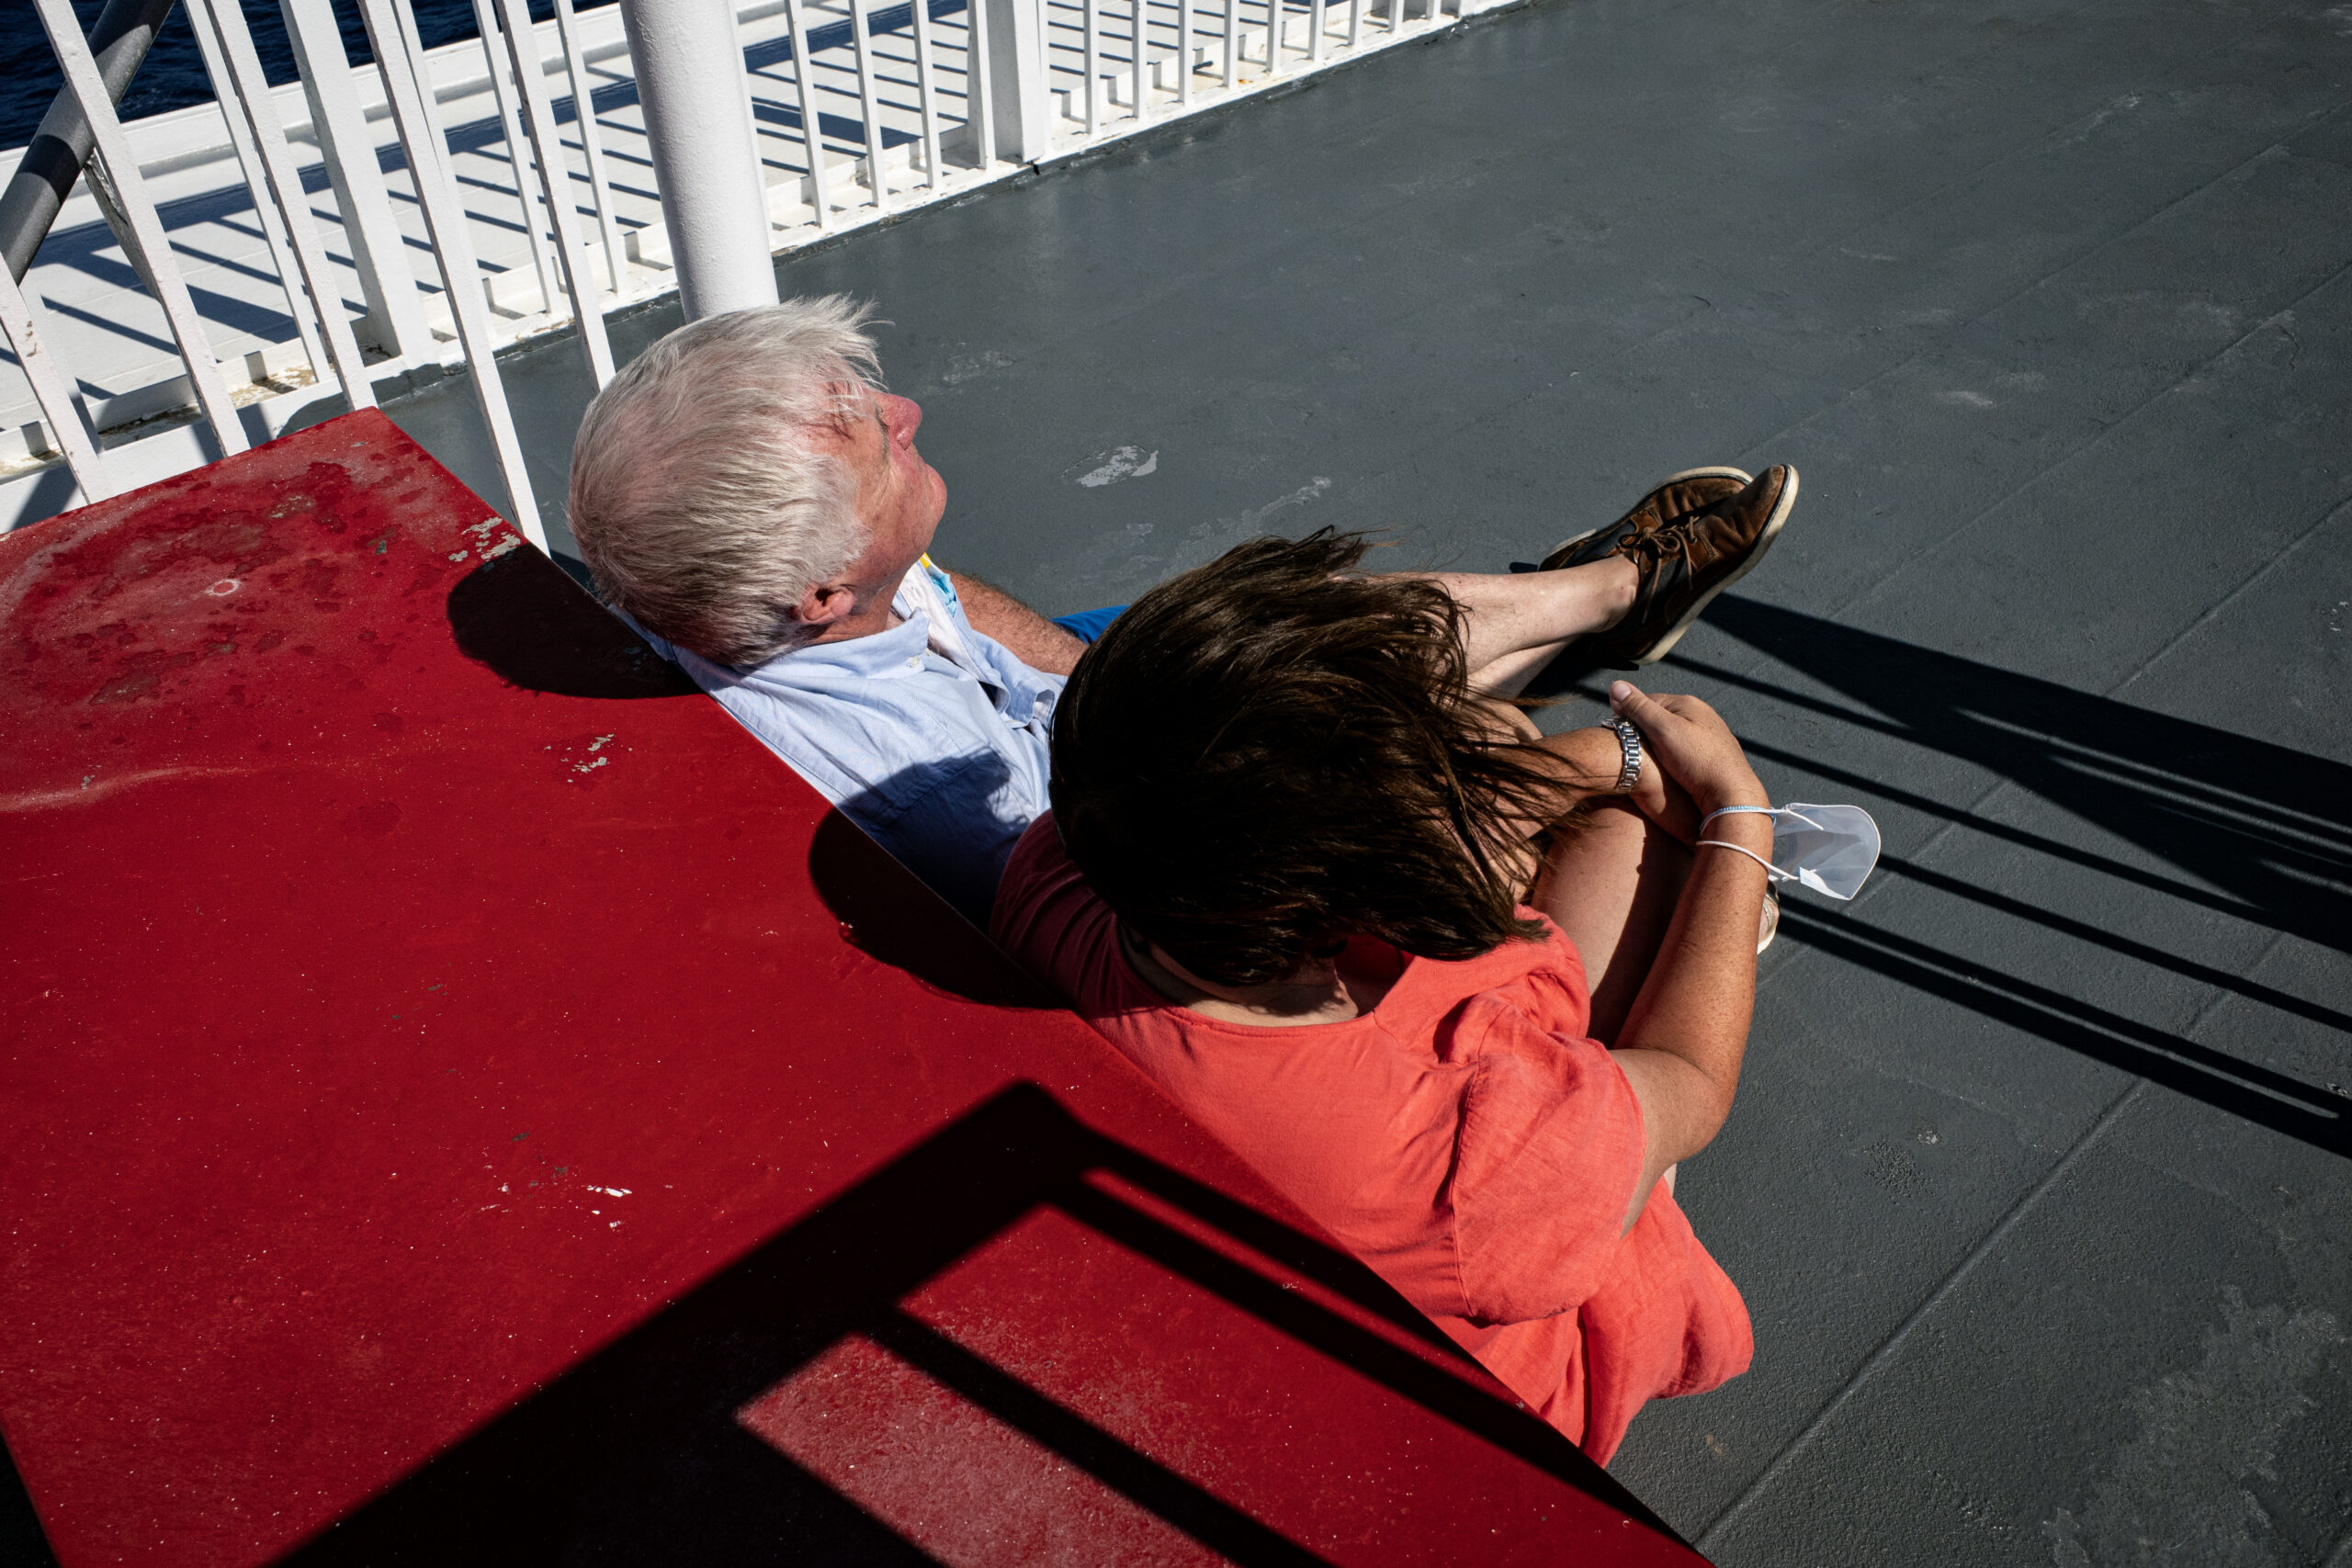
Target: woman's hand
{"type": "Point", "coordinates": [1693, 744]}
{"type": "Point", "coordinates": [1660, 797]}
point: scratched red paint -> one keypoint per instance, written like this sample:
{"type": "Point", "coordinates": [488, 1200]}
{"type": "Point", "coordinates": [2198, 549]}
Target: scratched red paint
{"type": "Point", "coordinates": [400, 1012]}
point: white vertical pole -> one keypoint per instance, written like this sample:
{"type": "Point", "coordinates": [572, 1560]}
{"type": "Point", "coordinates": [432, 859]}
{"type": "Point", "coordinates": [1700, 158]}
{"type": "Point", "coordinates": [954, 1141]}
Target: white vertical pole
{"type": "Point", "coordinates": [1140, 45]}
{"type": "Point", "coordinates": [699, 125]}
{"type": "Point", "coordinates": [1315, 25]}
{"type": "Point", "coordinates": [1277, 19]}
{"type": "Point", "coordinates": [1355, 22]}
{"type": "Point", "coordinates": [864, 47]}
{"type": "Point", "coordinates": [114, 153]}
{"type": "Point", "coordinates": [583, 110]}
{"type": "Point", "coordinates": [1019, 84]}
{"type": "Point", "coordinates": [1184, 52]}
{"type": "Point", "coordinates": [812, 132]}
{"type": "Point", "coordinates": [486, 24]}
{"type": "Point", "coordinates": [979, 103]}
{"type": "Point", "coordinates": [59, 406]}
{"type": "Point", "coordinates": [1093, 63]}
{"type": "Point", "coordinates": [555, 184]}
{"type": "Point", "coordinates": [452, 249]}
{"type": "Point", "coordinates": [266, 213]}
{"type": "Point", "coordinates": [248, 92]}
{"type": "Point", "coordinates": [926, 94]}
{"type": "Point", "coordinates": [1232, 42]}
{"type": "Point", "coordinates": [395, 315]}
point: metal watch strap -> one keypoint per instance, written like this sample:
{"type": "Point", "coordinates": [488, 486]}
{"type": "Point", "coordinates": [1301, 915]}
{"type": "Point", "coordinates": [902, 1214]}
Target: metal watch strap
{"type": "Point", "coordinates": [1630, 738]}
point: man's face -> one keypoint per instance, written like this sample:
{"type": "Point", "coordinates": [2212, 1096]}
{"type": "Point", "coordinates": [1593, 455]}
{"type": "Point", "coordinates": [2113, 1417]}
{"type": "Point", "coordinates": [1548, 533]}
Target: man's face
{"type": "Point", "coordinates": [900, 496]}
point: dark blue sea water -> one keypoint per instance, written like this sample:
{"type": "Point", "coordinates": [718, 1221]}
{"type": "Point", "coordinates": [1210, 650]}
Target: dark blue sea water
{"type": "Point", "coordinates": [173, 77]}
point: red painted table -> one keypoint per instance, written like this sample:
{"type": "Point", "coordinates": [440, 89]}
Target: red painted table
{"type": "Point", "coordinates": [463, 1100]}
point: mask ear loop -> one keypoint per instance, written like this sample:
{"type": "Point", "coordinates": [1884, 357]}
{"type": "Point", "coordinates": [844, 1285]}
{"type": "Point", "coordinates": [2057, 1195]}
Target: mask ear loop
{"type": "Point", "coordinates": [1772, 871]}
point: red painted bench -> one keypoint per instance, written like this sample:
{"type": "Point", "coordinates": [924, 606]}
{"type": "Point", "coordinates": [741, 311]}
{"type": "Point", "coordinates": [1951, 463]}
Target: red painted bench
{"type": "Point", "coordinates": [464, 1100]}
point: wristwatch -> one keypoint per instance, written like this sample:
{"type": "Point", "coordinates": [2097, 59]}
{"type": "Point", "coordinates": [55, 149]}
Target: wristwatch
{"type": "Point", "coordinates": [1631, 740]}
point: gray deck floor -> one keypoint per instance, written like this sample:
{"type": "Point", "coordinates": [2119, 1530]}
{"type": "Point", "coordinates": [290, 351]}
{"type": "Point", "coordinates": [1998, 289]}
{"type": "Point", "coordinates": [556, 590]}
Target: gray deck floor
{"type": "Point", "coordinates": [2038, 1185]}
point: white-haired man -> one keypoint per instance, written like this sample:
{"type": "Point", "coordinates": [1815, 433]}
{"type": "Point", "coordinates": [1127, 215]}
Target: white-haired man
{"type": "Point", "coordinates": [748, 496]}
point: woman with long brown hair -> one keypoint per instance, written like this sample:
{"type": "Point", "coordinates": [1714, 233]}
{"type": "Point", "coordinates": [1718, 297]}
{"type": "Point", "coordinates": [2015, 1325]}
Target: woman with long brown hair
{"type": "Point", "coordinates": [1465, 993]}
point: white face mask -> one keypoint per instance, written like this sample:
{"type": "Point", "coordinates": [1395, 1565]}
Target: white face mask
{"type": "Point", "coordinates": [1830, 849]}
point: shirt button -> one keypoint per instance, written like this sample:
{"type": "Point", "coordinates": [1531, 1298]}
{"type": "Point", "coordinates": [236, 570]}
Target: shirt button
{"type": "Point", "coordinates": [914, 663]}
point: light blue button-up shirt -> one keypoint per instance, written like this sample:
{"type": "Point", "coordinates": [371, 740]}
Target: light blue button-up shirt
{"type": "Point", "coordinates": [930, 735]}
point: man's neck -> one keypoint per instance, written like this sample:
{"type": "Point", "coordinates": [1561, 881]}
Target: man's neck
{"type": "Point", "coordinates": [878, 615]}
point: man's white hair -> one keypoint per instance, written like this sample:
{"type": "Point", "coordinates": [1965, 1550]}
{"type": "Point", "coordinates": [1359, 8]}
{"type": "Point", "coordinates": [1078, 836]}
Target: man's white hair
{"type": "Point", "coordinates": [708, 494]}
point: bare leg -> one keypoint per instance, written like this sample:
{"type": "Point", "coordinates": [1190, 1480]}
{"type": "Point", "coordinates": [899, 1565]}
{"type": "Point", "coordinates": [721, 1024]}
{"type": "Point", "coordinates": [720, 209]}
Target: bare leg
{"type": "Point", "coordinates": [1518, 622]}
{"type": "Point", "coordinates": [1610, 884]}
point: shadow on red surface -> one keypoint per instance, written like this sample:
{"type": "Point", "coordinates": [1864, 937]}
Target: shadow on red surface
{"type": "Point", "coordinates": [649, 1452]}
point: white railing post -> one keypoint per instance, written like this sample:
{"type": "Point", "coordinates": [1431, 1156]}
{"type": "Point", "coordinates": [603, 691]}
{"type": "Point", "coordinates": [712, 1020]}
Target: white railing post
{"type": "Point", "coordinates": [162, 273]}
{"type": "Point", "coordinates": [59, 405]}
{"type": "Point", "coordinates": [697, 108]}
{"type": "Point", "coordinates": [503, 88]}
{"type": "Point", "coordinates": [1139, 50]}
{"type": "Point", "coordinates": [271, 221]}
{"type": "Point", "coordinates": [979, 113]}
{"type": "Point", "coordinates": [600, 182]}
{"type": "Point", "coordinates": [555, 184]}
{"type": "Point", "coordinates": [246, 92]}
{"type": "Point", "coordinates": [390, 28]}
{"type": "Point", "coordinates": [813, 130]}
{"type": "Point", "coordinates": [926, 94]}
{"type": "Point", "coordinates": [862, 47]}
{"type": "Point", "coordinates": [395, 320]}
{"type": "Point", "coordinates": [1020, 108]}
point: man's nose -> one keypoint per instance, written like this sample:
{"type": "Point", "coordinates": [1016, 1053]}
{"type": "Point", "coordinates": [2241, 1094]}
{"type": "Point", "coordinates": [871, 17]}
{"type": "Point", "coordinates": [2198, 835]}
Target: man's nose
{"type": "Point", "coordinates": [906, 416]}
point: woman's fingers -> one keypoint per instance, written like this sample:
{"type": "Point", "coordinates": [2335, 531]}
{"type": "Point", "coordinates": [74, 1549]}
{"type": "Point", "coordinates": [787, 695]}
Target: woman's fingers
{"type": "Point", "coordinates": [1690, 740]}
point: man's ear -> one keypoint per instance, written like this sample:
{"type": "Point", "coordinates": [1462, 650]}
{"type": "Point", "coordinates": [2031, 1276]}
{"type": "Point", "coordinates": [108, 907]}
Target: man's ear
{"type": "Point", "coordinates": [822, 604]}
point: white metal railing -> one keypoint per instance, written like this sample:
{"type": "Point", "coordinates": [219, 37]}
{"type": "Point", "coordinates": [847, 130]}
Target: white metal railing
{"type": "Point", "coordinates": [340, 235]}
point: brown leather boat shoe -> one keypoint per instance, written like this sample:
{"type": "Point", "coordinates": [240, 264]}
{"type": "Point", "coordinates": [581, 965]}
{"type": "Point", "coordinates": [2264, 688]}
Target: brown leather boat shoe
{"type": "Point", "coordinates": [1677, 498]}
{"type": "Point", "coordinates": [1684, 563]}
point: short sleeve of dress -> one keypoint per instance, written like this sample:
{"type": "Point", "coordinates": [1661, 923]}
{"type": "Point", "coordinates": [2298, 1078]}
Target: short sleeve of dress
{"type": "Point", "coordinates": [1548, 1154]}
{"type": "Point", "coordinates": [1045, 914]}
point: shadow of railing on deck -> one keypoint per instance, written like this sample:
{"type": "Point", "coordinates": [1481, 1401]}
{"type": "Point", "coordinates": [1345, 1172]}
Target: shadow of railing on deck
{"type": "Point", "coordinates": [641, 1455]}
{"type": "Point", "coordinates": [2259, 832]}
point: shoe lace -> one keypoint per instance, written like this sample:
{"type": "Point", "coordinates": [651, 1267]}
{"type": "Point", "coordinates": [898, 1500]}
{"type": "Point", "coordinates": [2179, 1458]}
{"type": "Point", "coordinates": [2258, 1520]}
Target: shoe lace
{"type": "Point", "coordinates": [1661, 544]}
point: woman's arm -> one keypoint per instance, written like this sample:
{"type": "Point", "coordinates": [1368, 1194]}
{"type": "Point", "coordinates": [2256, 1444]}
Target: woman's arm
{"type": "Point", "coordinates": [1684, 1039]}
{"type": "Point", "coordinates": [1589, 762]}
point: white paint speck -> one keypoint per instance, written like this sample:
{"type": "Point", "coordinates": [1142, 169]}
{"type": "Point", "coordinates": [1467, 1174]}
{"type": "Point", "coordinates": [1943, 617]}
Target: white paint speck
{"type": "Point", "coordinates": [1123, 463]}
{"type": "Point", "coordinates": [1964, 400]}
{"type": "Point", "coordinates": [1299, 496]}
{"type": "Point", "coordinates": [224, 587]}
{"type": "Point", "coordinates": [2181, 1490]}
{"type": "Point", "coordinates": [457, 555]}
{"type": "Point", "coordinates": [964, 367]}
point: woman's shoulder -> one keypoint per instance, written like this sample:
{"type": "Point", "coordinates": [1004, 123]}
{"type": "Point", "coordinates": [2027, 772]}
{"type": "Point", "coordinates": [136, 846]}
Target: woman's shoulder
{"type": "Point", "coordinates": [1464, 1006]}
{"type": "Point", "coordinates": [1050, 921]}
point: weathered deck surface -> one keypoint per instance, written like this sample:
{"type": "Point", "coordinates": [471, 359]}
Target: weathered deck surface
{"type": "Point", "coordinates": [2039, 1184]}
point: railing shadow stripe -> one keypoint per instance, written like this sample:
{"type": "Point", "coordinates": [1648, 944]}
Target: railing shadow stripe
{"type": "Point", "coordinates": [1200, 1514]}
{"type": "Point", "coordinates": [2255, 1094]}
